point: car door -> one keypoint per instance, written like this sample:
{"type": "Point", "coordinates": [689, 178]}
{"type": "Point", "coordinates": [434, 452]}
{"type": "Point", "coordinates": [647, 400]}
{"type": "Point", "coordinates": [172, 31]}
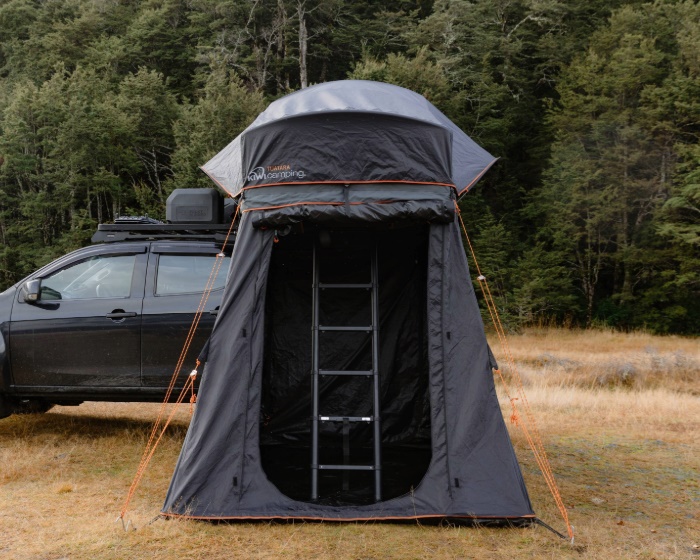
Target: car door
{"type": "Point", "coordinates": [84, 332]}
{"type": "Point", "coordinates": [177, 276]}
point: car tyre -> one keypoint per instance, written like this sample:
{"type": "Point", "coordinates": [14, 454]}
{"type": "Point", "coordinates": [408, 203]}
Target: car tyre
{"type": "Point", "coordinates": [32, 406]}
{"type": "Point", "coordinates": [6, 406]}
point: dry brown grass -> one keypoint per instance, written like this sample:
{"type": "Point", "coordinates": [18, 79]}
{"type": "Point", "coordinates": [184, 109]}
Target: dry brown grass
{"type": "Point", "coordinates": [627, 461]}
{"type": "Point", "coordinates": [600, 358]}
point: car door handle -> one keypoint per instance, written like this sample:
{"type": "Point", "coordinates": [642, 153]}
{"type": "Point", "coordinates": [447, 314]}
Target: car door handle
{"type": "Point", "coordinates": [120, 314]}
{"type": "Point", "coordinates": [214, 311]}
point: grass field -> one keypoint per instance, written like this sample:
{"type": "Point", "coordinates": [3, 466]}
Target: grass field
{"type": "Point", "coordinates": [619, 415]}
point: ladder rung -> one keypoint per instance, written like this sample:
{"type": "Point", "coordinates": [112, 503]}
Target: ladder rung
{"type": "Point", "coordinates": [351, 286]}
{"type": "Point", "coordinates": [326, 328]}
{"type": "Point", "coordinates": [348, 418]}
{"type": "Point", "coordinates": [345, 372]}
{"type": "Point", "coordinates": [347, 467]}
{"type": "Point", "coordinates": [372, 332]}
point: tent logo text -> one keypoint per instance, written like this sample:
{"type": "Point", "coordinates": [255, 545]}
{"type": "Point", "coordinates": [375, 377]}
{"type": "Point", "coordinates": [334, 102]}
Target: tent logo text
{"type": "Point", "coordinates": [275, 172]}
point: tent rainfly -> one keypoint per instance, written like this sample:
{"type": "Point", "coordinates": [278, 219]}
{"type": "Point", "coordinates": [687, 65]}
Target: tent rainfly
{"type": "Point", "coordinates": [348, 375]}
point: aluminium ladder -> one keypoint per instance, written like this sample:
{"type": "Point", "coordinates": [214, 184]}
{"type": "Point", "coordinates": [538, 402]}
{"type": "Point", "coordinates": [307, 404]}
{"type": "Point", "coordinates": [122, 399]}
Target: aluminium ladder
{"type": "Point", "coordinates": [318, 418]}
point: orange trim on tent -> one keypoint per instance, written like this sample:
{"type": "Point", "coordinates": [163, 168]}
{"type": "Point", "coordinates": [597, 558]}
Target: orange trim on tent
{"type": "Point", "coordinates": [344, 519]}
{"type": "Point", "coordinates": [347, 182]}
{"type": "Point", "coordinates": [324, 203]}
{"type": "Point", "coordinates": [479, 176]}
{"type": "Point", "coordinates": [219, 184]}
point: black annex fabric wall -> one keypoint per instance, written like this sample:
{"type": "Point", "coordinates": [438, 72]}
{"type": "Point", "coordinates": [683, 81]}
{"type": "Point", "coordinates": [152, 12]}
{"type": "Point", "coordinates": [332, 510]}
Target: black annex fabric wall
{"type": "Point", "coordinates": [473, 472]}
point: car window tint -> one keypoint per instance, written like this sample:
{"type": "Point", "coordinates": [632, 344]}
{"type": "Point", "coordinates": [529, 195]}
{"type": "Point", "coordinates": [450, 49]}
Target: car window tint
{"type": "Point", "coordinates": [183, 274]}
{"type": "Point", "coordinates": [101, 276]}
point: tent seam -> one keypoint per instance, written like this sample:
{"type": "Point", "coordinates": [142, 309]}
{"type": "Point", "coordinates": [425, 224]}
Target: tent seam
{"type": "Point", "coordinates": [442, 349]}
{"type": "Point", "coordinates": [341, 182]}
{"type": "Point", "coordinates": [476, 179]}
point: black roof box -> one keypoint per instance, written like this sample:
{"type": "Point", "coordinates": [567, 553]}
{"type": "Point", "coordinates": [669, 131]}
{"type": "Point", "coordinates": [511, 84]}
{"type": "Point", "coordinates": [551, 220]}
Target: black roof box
{"type": "Point", "coordinates": [195, 206]}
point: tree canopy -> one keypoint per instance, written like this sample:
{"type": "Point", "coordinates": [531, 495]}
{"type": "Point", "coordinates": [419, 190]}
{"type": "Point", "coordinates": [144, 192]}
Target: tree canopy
{"type": "Point", "coordinates": [591, 216]}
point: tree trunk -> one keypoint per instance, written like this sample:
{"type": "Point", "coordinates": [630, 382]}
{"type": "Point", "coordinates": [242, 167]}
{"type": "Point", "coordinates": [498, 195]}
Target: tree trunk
{"type": "Point", "coordinates": [281, 51]}
{"type": "Point", "coordinates": [303, 44]}
{"type": "Point", "coordinates": [624, 239]}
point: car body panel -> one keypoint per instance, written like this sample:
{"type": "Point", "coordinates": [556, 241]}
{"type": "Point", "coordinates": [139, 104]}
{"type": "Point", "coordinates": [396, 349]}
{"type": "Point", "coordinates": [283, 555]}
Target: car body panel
{"type": "Point", "coordinates": [66, 350]}
{"type": "Point", "coordinates": [75, 342]}
{"type": "Point", "coordinates": [167, 319]}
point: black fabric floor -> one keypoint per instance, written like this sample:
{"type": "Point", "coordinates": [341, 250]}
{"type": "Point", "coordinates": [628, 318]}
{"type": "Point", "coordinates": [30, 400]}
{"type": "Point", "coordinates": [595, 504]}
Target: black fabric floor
{"type": "Point", "coordinates": [288, 467]}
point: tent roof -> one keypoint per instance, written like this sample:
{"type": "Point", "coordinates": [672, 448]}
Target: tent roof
{"type": "Point", "coordinates": [354, 96]}
{"type": "Point", "coordinates": [469, 161]}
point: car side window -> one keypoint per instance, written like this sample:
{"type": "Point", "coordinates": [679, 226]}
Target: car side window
{"type": "Point", "coordinates": [185, 274]}
{"type": "Point", "coordinates": [101, 276]}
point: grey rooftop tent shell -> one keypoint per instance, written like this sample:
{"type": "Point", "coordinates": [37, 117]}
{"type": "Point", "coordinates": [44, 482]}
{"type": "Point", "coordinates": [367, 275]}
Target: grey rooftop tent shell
{"type": "Point", "coordinates": [361, 163]}
{"type": "Point", "coordinates": [354, 130]}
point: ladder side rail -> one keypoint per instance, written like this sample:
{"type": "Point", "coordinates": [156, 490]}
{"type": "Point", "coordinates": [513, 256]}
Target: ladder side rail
{"type": "Point", "coordinates": [315, 376]}
{"type": "Point", "coordinates": [375, 369]}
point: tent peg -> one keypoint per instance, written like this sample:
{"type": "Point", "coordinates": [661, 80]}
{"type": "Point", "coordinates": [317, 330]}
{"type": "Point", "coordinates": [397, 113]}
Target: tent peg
{"type": "Point", "coordinates": [540, 522]}
{"type": "Point", "coordinates": [126, 525]}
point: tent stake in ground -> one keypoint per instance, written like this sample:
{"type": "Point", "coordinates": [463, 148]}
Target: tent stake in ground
{"type": "Point", "coordinates": [409, 422]}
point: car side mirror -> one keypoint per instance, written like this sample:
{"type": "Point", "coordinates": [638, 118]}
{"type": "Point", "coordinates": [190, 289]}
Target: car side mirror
{"type": "Point", "coordinates": [31, 291]}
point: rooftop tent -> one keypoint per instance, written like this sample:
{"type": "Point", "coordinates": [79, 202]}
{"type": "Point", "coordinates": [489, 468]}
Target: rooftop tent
{"type": "Point", "coordinates": [348, 375]}
{"type": "Point", "coordinates": [350, 131]}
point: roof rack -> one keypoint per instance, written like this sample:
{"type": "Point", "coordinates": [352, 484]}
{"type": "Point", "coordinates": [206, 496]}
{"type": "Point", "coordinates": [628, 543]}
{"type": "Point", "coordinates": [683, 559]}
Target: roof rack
{"type": "Point", "coordinates": [136, 220]}
{"type": "Point", "coordinates": [139, 231]}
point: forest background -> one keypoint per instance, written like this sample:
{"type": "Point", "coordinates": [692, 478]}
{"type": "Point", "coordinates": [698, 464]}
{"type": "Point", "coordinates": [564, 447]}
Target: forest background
{"type": "Point", "coordinates": [591, 217]}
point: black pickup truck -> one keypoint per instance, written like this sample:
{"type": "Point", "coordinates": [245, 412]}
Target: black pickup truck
{"type": "Point", "coordinates": [108, 322]}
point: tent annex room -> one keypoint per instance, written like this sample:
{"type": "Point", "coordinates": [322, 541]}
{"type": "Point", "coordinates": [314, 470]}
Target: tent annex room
{"type": "Point", "coordinates": [348, 376]}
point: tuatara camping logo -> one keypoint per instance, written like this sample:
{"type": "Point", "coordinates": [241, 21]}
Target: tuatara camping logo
{"type": "Point", "coordinates": [275, 173]}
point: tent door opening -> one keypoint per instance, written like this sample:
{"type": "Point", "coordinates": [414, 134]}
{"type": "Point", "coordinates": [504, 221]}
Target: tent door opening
{"type": "Point", "coordinates": [393, 454]}
{"type": "Point", "coordinates": [331, 289]}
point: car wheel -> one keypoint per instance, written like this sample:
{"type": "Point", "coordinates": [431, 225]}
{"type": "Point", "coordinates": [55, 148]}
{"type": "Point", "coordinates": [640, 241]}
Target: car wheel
{"type": "Point", "coordinates": [32, 406]}
{"type": "Point", "coordinates": [6, 407]}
